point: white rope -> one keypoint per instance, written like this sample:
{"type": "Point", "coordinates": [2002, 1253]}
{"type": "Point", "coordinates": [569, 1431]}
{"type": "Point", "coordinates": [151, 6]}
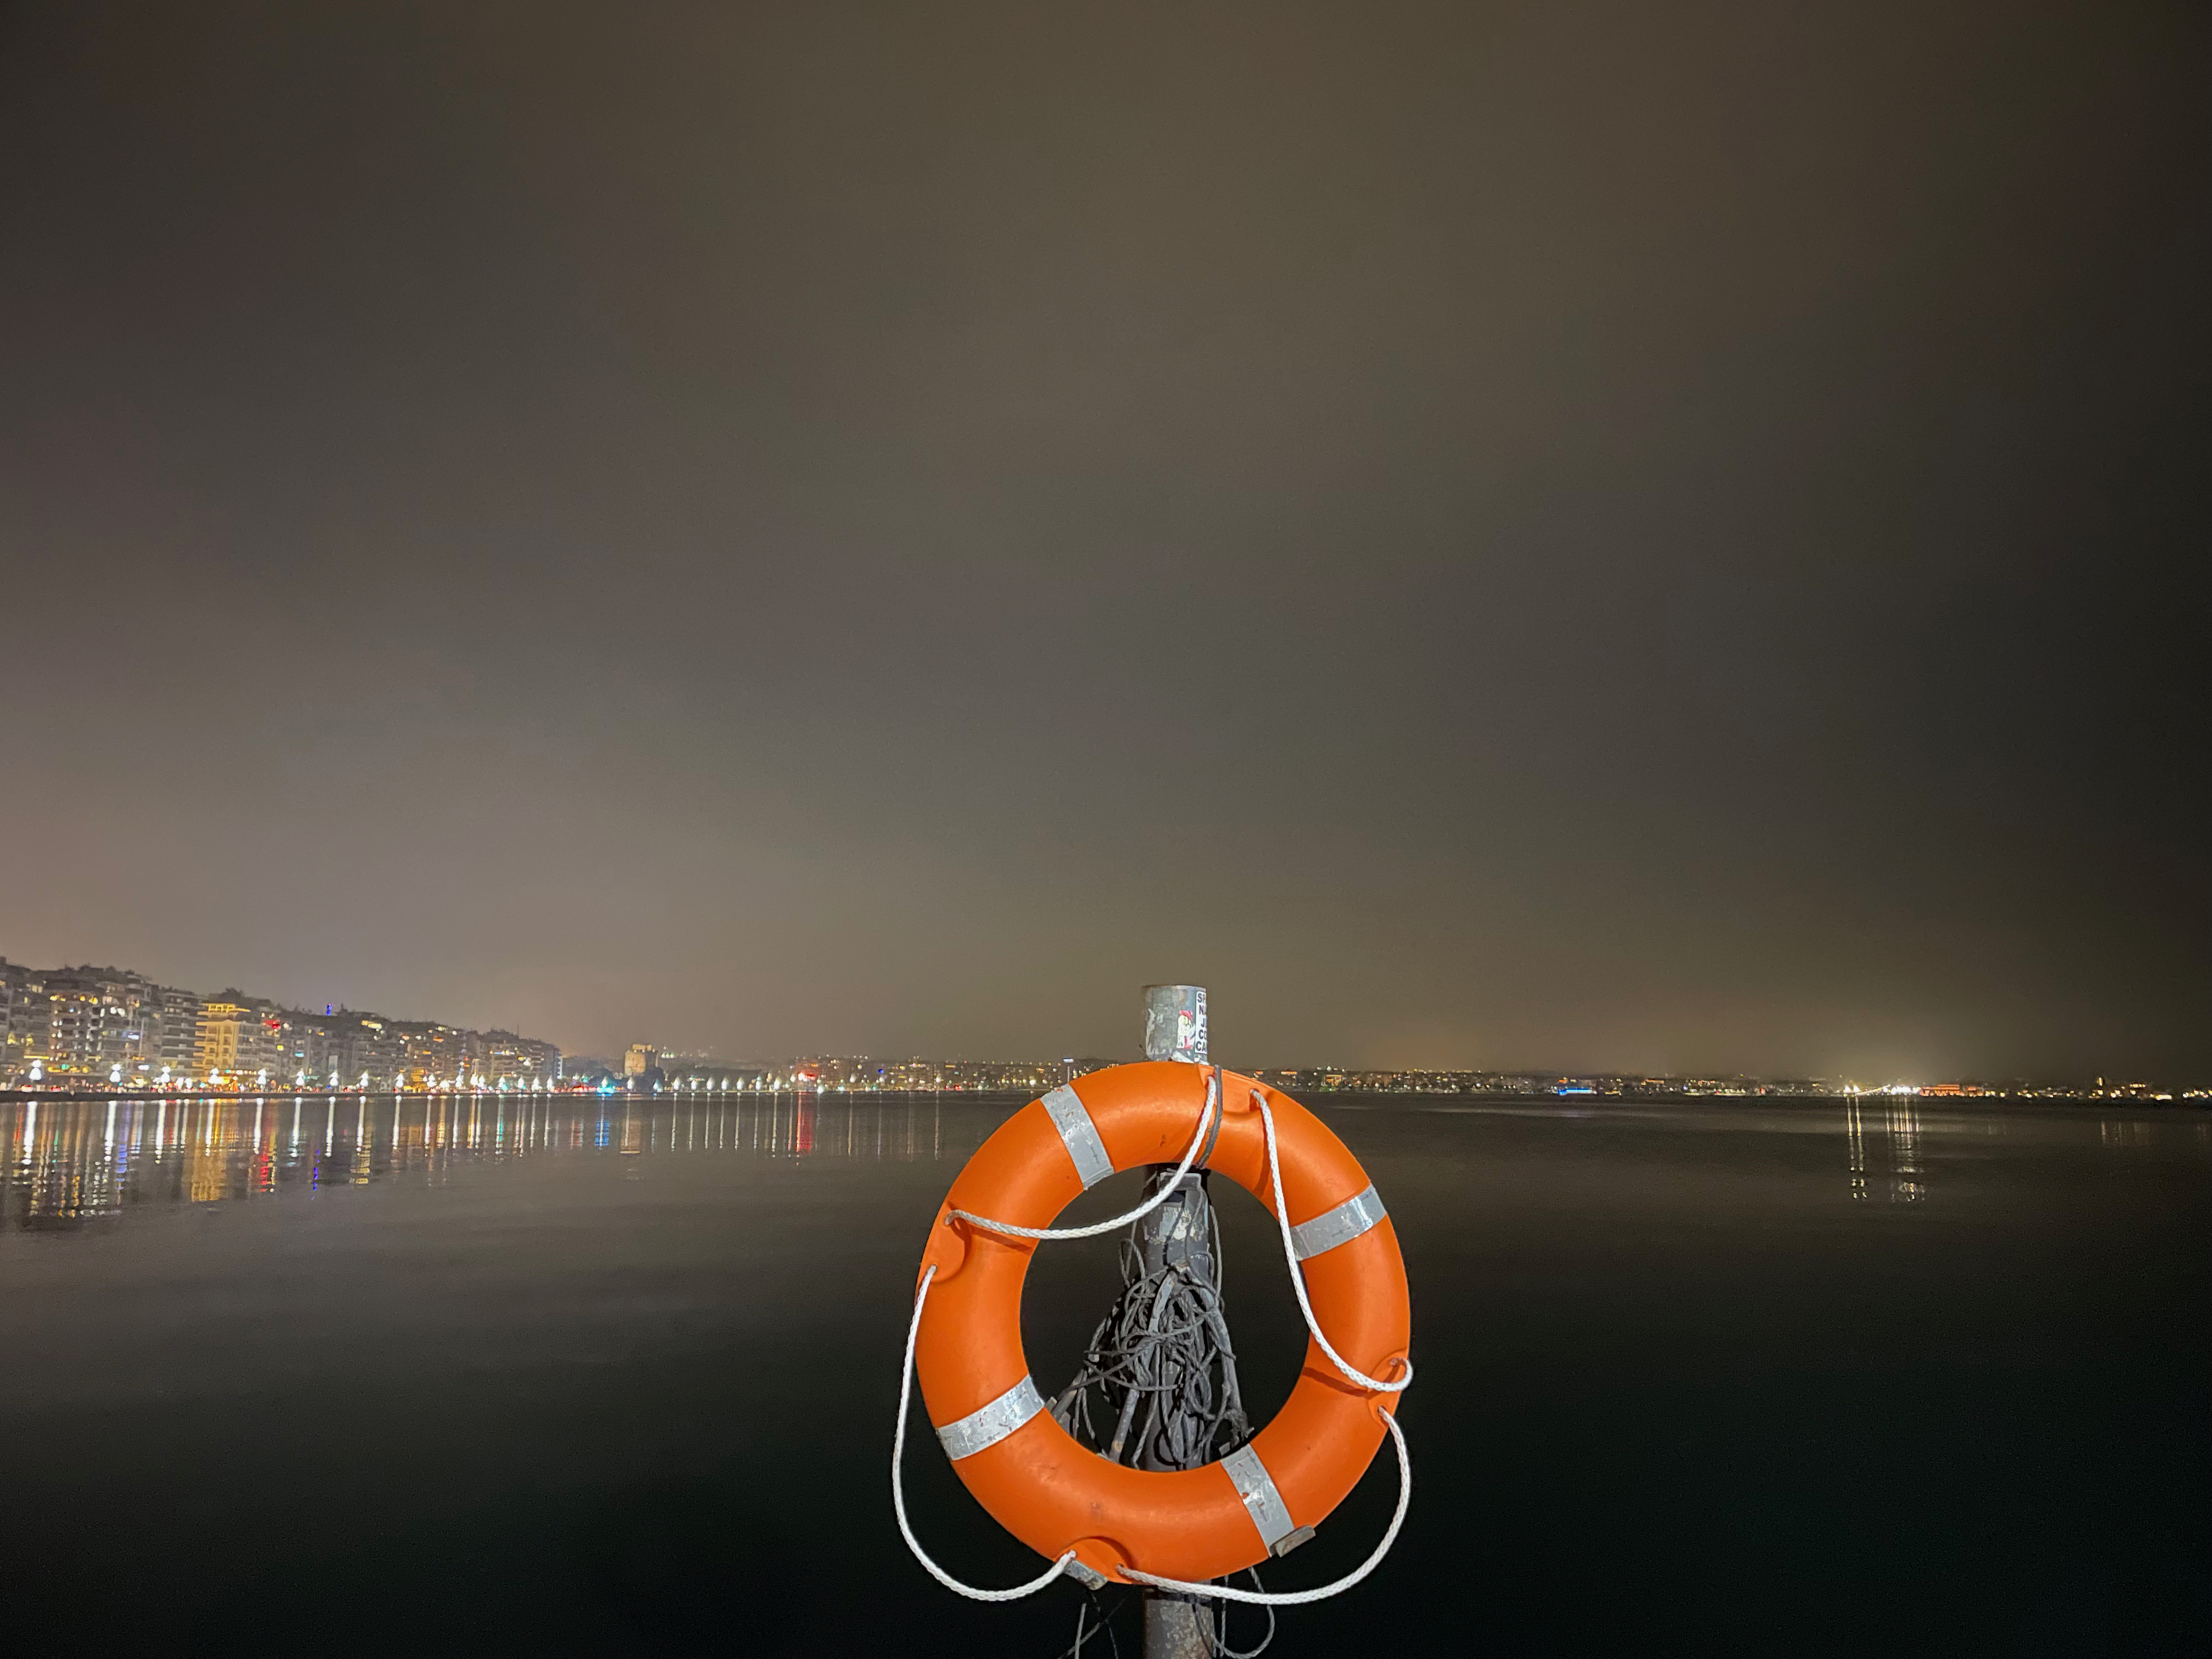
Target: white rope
{"type": "Point", "coordinates": [1298, 1274]}
{"type": "Point", "coordinates": [1211, 1107]}
{"type": "Point", "coordinates": [1299, 1598]}
{"type": "Point", "coordinates": [898, 1488]}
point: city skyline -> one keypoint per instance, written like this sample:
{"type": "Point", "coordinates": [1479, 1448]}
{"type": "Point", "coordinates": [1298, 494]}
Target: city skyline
{"type": "Point", "coordinates": [88, 1026]}
{"type": "Point", "coordinates": [92, 1027]}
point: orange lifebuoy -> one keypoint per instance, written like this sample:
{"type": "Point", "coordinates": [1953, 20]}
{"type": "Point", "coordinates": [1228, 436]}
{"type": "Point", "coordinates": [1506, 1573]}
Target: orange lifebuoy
{"type": "Point", "coordinates": [1028, 1472]}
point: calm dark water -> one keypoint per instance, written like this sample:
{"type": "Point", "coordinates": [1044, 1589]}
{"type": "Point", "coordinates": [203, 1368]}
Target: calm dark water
{"type": "Point", "coordinates": [1739, 1379]}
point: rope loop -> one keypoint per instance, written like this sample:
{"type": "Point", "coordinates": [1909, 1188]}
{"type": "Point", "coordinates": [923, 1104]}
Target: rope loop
{"type": "Point", "coordinates": [898, 1483]}
{"type": "Point", "coordinates": [1298, 1273]}
{"type": "Point", "coordinates": [1210, 1111]}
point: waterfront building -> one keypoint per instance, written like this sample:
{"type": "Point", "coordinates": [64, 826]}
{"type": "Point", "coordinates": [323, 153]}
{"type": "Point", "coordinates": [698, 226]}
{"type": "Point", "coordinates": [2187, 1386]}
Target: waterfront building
{"type": "Point", "coordinates": [87, 1027]}
{"type": "Point", "coordinates": [240, 1039]}
{"type": "Point", "coordinates": [86, 1022]}
{"type": "Point", "coordinates": [352, 1045]}
{"type": "Point", "coordinates": [370, 1048]}
{"type": "Point", "coordinates": [72, 1027]}
{"type": "Point", "coordinates": [639, 1059]}
{"type": "Point", "coordinates": [431, 1053]}
{"type": "Point", "coordinates": [92, 1023]}
{"type": "Point", "coordinates": [177, 1040]}
{"type": "Point", "coordinates": [516, 1060]}
{"type": "Point", "coordinates": [306, 1039]}
{"type": "Point", "coordinates": [337, 1043]}
{"type": "Point", "coordinates": [18, 986]}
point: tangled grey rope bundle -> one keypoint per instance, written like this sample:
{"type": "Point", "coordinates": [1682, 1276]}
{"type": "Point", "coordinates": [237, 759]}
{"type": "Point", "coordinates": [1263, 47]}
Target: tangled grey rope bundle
{"type": "Point", "coordinates": [1164, 1349]}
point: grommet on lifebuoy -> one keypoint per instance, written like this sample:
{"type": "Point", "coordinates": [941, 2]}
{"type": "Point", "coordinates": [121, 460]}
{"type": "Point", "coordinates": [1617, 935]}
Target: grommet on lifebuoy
{"type": "Point", "coordinates": [1031, 1473]}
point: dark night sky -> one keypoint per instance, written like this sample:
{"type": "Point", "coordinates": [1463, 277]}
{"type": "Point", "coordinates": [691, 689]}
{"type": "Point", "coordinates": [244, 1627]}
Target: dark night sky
{"type": "Point", "coordinates": [1549, 534]}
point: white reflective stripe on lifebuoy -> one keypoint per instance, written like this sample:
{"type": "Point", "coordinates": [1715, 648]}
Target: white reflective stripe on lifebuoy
{"type": "Point", "coordinates": [1338, 1226]}
{"type": "Point", "coordinates": [1261, 1501]}
{"type": "Point", "coordinates": [1079, 1135]}
{"type": "Point", "coordinates": [987, 1426]}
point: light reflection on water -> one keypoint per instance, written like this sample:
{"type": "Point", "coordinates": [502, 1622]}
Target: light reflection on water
{"type": "Point", "coordinates": [1896, 1148]}
{"type": "Point", "coordinates": [66, 1162]}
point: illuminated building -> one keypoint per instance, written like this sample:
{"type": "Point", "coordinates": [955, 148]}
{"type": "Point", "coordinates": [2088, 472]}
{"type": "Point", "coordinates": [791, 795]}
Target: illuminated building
{"type": "Point", "coordinates": [76, 1025]}
{"type": "Point", "coordinates": [177, 1027]}
{"type": "Point", "coordinates": [338, 1043]}
{"type": "Point", "coordinates": [75, 1028]}
{"type": "Point", "coordinates": [18, 986]}
{"type": "Point", "coordinates": [510, 1059]}
{"type": "Point", "coordinates": [639, 1059]}
{"type": "Point", "coordinates": [431, 1053]}
{"type": "Point", "coordinates": [82, 1022]}
{"type": "Point", "coordinates": [240, 1037]}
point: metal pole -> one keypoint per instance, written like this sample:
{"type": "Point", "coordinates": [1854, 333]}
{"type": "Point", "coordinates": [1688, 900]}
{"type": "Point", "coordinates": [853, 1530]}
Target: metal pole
{"type": "Point", "coordinates": [1176, 1627]}
{"type": "Point", "coordinates": [1175, 1023]}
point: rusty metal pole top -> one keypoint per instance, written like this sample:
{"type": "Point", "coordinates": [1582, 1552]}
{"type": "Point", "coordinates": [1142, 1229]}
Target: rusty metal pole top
{"type": "Point", "coordinates": [1175, 1023]}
